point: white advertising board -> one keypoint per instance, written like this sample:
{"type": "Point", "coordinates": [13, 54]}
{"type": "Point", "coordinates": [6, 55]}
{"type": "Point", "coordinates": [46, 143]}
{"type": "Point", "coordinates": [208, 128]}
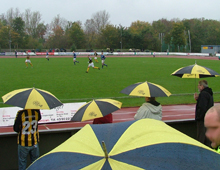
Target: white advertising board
{"type": "Point", "coordinates": [59, 114]}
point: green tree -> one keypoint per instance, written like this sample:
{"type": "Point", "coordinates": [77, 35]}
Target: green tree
{"type": "Point", "coordinates": [178, 35]}
{"type": "Point", "coordinates": [198, 34]}
{"type": "Point", "coordinates": [141, 35]}
{"type": "Point", "coordinates": [18, 27]}
{"type": "Point", "coordinates": [41, 30]}
{"type": "Point", "coordinates": [57, 39]}
{"type": "Point", "coordinates": [109, 37]}
{"type": "Point", "coordinates": [136, 30]}
{"type": "Point", "coordinates": [76, 35]}
{"type": "Point", "coordinates": [4, 34]}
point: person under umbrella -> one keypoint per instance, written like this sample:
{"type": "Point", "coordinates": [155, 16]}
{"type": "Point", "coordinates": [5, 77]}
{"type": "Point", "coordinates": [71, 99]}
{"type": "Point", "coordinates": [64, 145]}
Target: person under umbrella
{"type": "Point", "coordinates": [150, 109]}
{"type": "Point", "coordinates": [26, 121]}
{"type": "Point", "coordinates": [96, 109]}
{"type": "Point", "coordinates": [26, 126]}
{"type": "Point", "coordinates": [204, 99]}
{"type": "Point", "coordinates": [195, 71]}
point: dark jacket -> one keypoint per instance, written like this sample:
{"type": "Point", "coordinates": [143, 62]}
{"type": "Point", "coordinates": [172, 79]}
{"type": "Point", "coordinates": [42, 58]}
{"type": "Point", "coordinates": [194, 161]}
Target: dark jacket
{"type": "Point", "coordinates": [204, 102]}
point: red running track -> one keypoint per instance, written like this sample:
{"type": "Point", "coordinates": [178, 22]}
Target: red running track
{"type": "Point", "coordinates": [171, 113]}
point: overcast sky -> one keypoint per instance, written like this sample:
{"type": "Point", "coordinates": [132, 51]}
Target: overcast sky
{"type": "Point", "coordinates": [122, 12]}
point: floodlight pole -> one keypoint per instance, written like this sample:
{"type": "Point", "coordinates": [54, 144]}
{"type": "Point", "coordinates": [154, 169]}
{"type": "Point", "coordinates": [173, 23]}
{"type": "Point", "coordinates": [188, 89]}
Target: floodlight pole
{"type": "Point", "coordinates": [121, 37]}
{"type": "Point", "coordinates": [189, 42]}
{"type": "Point", "coordinates": [161, 39]}
{"type": "Point", "coordinates": [9, 38]}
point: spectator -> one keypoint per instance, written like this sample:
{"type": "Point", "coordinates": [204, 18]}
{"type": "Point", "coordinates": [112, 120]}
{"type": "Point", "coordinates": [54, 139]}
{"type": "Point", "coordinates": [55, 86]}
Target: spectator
{"type": "Point", "coordinates": [212, 124]}
{"type": "Point", "coordinates": [102, 120]}
{"type": "Point", "coordinates": [151, 109]}
{"type": "Point", "coordinates": [204, 102]}
{"type": "Point", "coordinates": [26, 125]}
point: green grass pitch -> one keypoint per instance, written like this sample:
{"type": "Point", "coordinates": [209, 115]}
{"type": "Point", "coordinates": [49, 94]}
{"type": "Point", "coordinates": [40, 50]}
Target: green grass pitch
{"type": "Point", "coordinates": [71, 83]}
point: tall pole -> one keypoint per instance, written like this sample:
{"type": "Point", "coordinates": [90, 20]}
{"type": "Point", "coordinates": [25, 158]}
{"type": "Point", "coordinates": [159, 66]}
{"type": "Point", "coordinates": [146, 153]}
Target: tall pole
{"type": "Point", "coordinates": [121, 37]}
{"type": "Point", "coordinates": [189, 42]}
{"type": "Point", "coordinates": [9, 38]}
{"type": "Point", "coordinates": [161, 37]}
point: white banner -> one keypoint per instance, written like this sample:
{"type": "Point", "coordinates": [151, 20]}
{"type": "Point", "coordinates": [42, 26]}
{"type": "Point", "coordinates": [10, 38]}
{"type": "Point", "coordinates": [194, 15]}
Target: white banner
{"type": "Point", "coordinates": [10, 53]}
{"type": "Point", "coordinates": [199, 54]}
{"type": "Point", "coordinates": [176, 53]}
{"type": "Point", "coordinates": [59, 114]}
{"type": "Point", "coordinates": [65, 53]}
{"type": "Point", "coordinates": [160, 53]}
{"type": "Point", "coordinates": [143, 53]}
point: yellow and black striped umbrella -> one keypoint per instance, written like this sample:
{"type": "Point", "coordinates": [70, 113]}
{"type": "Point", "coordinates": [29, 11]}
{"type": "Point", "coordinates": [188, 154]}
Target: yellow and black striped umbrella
{"type": "Point", "coordinates": [195, 71]}
{"type": "Point", "coordinates": [146, 89]}
{"type": "Point", "coordinates": [134, 145]}
{"type": "Point", "coordinates": [95, 109]}
{"type": "Point", "coordinates": [31, 98]}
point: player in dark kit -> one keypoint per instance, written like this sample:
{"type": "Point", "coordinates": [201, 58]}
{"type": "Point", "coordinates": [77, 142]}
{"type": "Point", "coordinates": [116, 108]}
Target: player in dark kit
{"type": "Point", "coordinates": [91, 64]}
{"type": "Point", "coordinates": [95, 58]}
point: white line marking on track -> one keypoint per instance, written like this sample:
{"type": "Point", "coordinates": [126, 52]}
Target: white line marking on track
{"type": "Point", "coordinates": [178, 115]}
{"type": "Point", "coordinates": [46, 127]}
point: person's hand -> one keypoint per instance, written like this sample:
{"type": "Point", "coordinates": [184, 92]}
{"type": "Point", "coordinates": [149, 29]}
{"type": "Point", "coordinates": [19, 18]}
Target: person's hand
{"type": "Point", "coordinates": [196, 96]}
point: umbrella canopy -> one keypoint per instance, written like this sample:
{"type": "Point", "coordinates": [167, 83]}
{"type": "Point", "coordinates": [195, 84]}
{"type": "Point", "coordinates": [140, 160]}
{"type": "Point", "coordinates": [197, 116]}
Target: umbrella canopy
{"type": "Point", "coordinates": [95, 109]}
{"type": "Point", "coordinates": [144, 144]}
{"type": "Point", "coordinates": [31, 98]}
{"type": "Point", "coordinates": [195, 71]}
{"type": "Point", "coordinates": [146, 89]}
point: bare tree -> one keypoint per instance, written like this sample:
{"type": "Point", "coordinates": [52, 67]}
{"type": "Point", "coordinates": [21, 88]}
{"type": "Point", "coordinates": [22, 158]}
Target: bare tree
{"type": "Point", "coordinates": [10, 15]}
{"type": "Point", "coordinates": [90, 32]}
{"type": "Point", "coordinates": [32, 21]}
{"type": "Point", "coordinates": [17, 13]}
{"type": "Point", "coordinates": [58, 21]}
{"type": "Point", "coordinates": [101, 19]}
{"type": "Point", "coordinates": [27, 18]}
